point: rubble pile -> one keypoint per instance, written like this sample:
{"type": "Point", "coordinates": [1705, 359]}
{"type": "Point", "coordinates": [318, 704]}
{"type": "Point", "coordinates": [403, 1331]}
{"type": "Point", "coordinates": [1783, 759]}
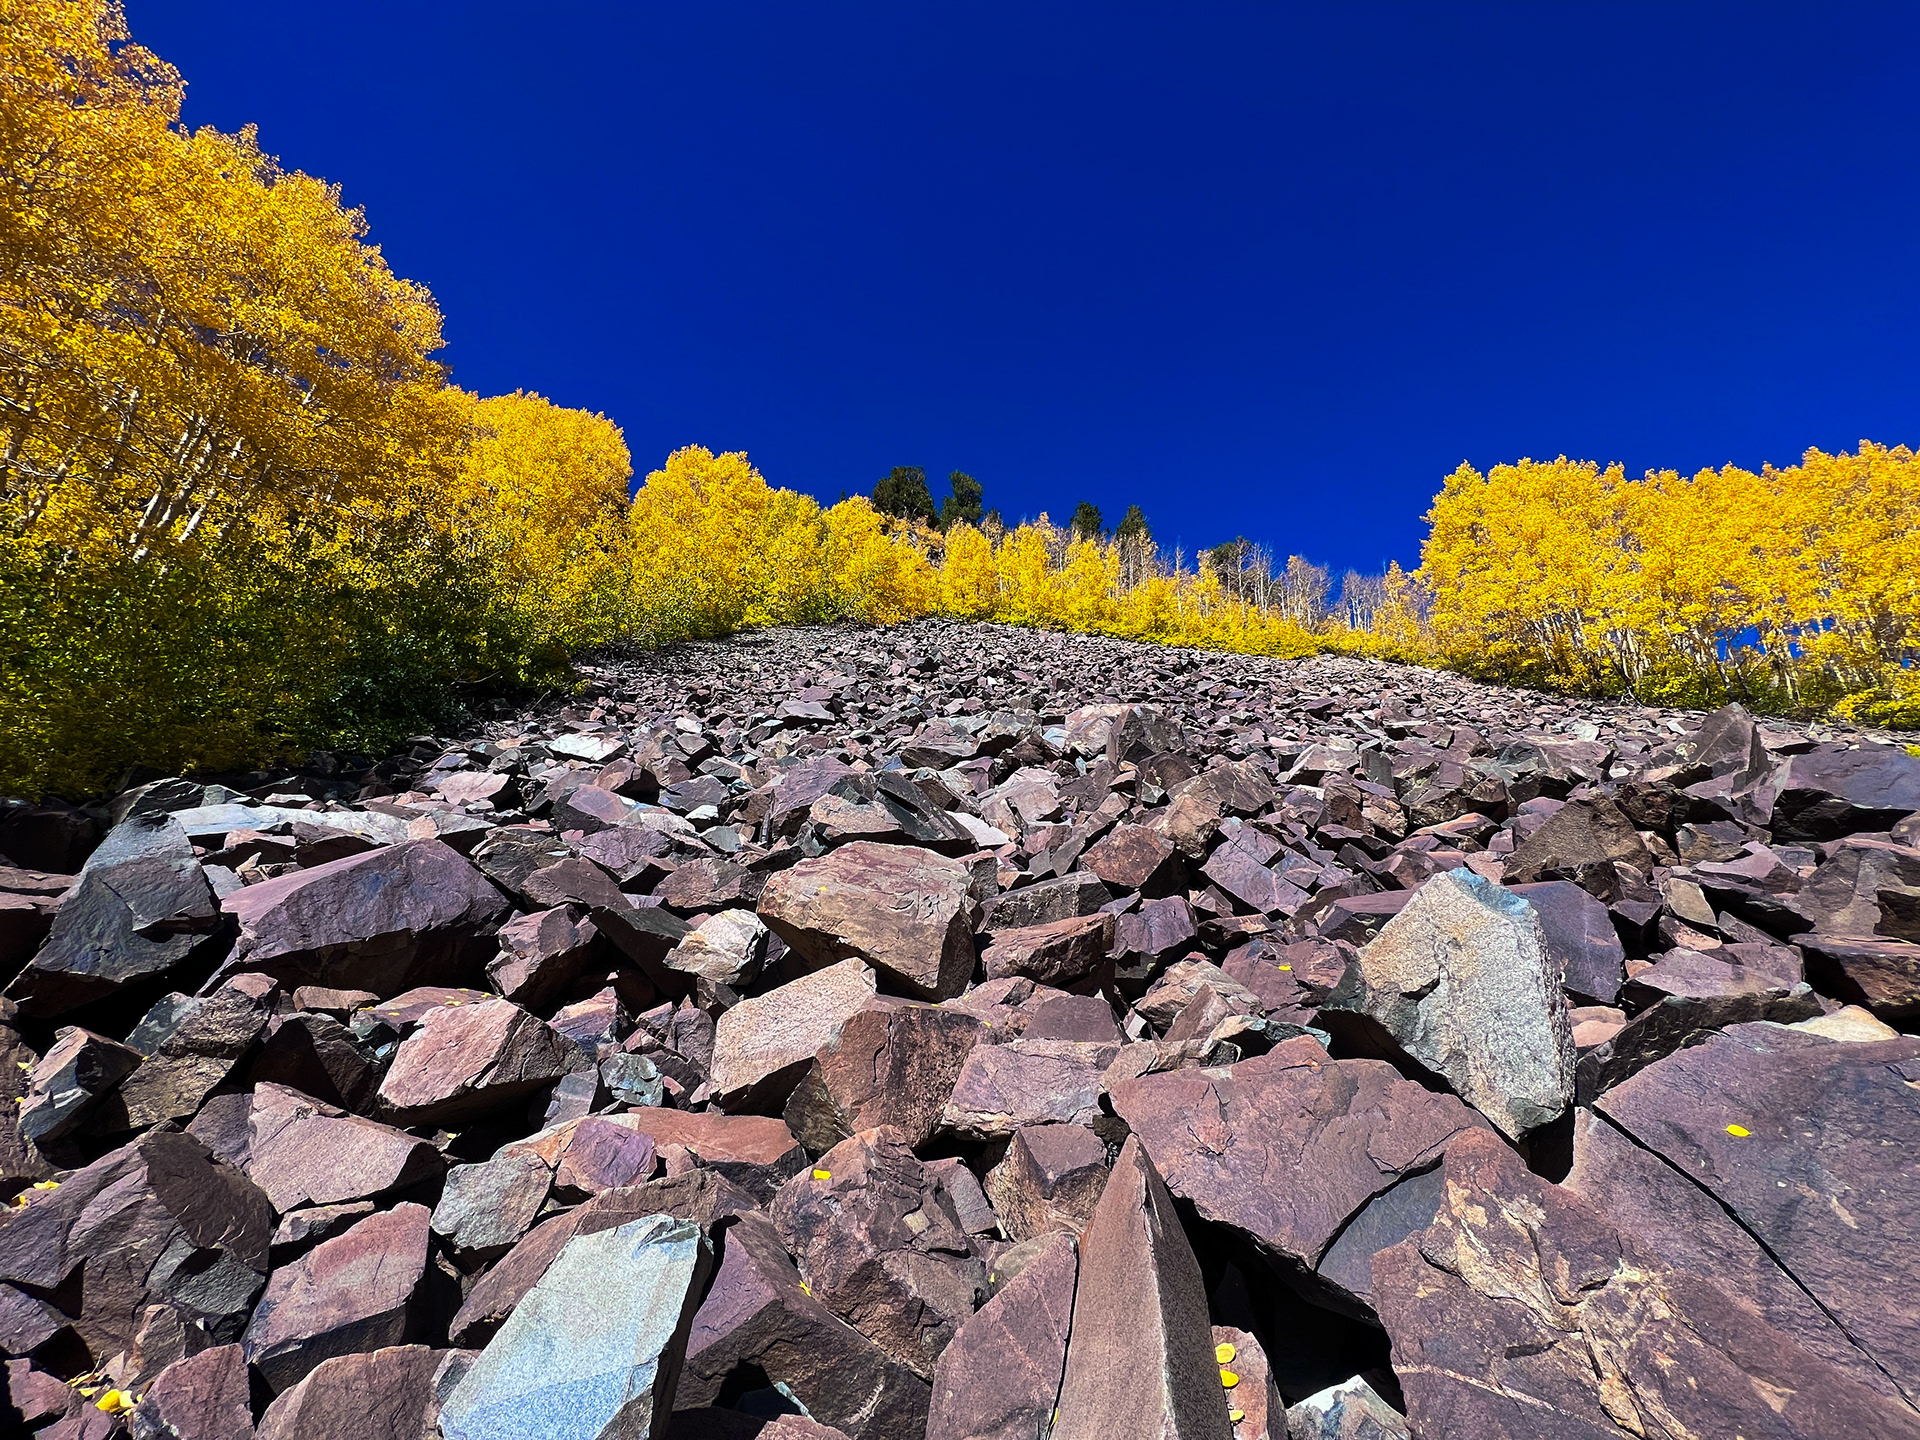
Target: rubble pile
{"type": "Point", "coordinates": [976, 1033]}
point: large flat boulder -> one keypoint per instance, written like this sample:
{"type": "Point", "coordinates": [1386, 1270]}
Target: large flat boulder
{"type": "Point", "coordinates": [1809, 1144]}
{"type": "Point", "coordinates": [1522, 1312]}
{"type": "Point", "coordinates": [889, 1064]}
{"type": "Point", "coordinates": [386, 921]}
{"type": "Point", "coordinates": [903, 910]}
{"type": "Point", "coordinates": [1292, 1148]}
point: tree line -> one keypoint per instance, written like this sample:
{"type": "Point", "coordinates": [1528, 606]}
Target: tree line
{"type": "Point", "coordinates": [243, 512]}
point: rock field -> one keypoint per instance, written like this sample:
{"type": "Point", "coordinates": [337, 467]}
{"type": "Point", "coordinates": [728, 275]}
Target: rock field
{"type": "Point", "coordinates": [973, 1033]}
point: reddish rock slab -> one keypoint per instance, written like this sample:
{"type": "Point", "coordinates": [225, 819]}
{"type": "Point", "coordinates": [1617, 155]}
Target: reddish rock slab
{"type": "Point", "coordinates": [882, 1247]}
{"type": "Point", "coordinates": [1027, 1082]}
{"type": "Point", "coordinates": [542, 954]}
{"type": "Point", "coordinates": [383, 1395]}
{"type": "Point", "coordinates": [762, 1046]}
{"type": "Point", "coordinates": [1819, 1165]}
{"type": "Point", "coordinates": [158, 1221]}
{"type": "Point", "coordinates": [999, 1379]}
{"type": "Point", "coordinates": [591, 1154]}
{"type": "Point", "coordinates": [902, 909]}
{"type": "Point", "coordinates": [388, 920]}
{"type": "Point", "coordinates": [1879, 974]}
{"type": "Point", "coordinates": [756, 1152]}
{"type": "Point", "coordinates": [468, 1061]}
{"type": "Point", "coordinates": [890, 1064]}
{"type": "Point", "coordinates": [1060, 952]}
{"type": "Point", "coordinates": [1522, 1314]}
{"type": "Point", "coordinates": [358, 1292]}
{"type": "Point", "coordinates": [1140, 1360]}
{"type": "Point", "coordinates": [1058, 899]}
{"type": "Point", "coordinates": [1581, 939]}
{"type": "Point", "coordinates": [1341, 1131]}
{"type": "Point", "coordinates": [1831, 792]}
{"type": "Point", "coordinates": [203, 1397]}
{"type": "Point", "coordinates": [1644, 1196]}
{"type": "Point", "coordinates": [759, 1320]}
{"type": "Point", "coordinates": [302, 1152]}
{"type": "Point", "coordinates": [1132, 857]}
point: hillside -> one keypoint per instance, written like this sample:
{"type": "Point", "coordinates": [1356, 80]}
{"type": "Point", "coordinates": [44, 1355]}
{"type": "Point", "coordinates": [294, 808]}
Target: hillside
{"type": "Point", "coordinates": [963, 1030]}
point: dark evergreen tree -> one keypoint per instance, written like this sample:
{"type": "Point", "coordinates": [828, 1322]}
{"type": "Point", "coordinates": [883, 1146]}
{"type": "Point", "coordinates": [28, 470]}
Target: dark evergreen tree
{"type": "Point", "coordinates": [1086, 523]}
{"type": "Point", "coordinates": [904, 494]}
{"type": "Point", "coordinates": [1133, 526]}
{"type": "Point", "coordinates": [964, 502]}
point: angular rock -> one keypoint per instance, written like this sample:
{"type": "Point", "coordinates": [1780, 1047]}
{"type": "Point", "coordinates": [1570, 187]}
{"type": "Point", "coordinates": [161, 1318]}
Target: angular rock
{"type": "Point", "coordinates": [1842, 896]}
{"type": "Point", "coordinates": [1880, 975]}
{"type": "Point", "coordinates": [75, 1075]}
{"type": "Point", "coordinates": [486, 1208]}
{"type": "Point", "coordinates": [888, 1065]}
{"type": "Point", "coordinates": [1342, 1132]}
{"type": "Point", "coordinates": [1351, 1410]}
{"type": "Point", "coordinates": [1461, 980]}
{"type": "Point", "coordinates": [1831, 792]}
{"type": "Point", "coordinates": [759, 1321]}
{"type": "Point", "coordinates": [1581, 938]}
{"type": "Point", "coordinates": [203, 1396]}
{"type": "Point", "coordinates": [542, 954]}
{"type": "Point", "coordinates": [158, 1221]}
{"type": "Point", "coordinates": [1062, 898]}
{"type": "Point", "coordinates": [384, 1395]}
{"type": "Point", "coordinates": [902, 909]}
{"type": "Point", "coordinates": [881, 1246]}
{"type": "Point", "coordinates": [1644, 1196]}
{"type": "Point", "coordinates": [762, 1046]}
{"type": "Point", "coordinates": [191, 1044]}
{"type": "Point", "coordinates": [302, 1152]}
{"type": "Point", "coordinates": [591, 1154]}
{"type": "Point", "coordinates": [1027, 1082]}
{"type": "Point", "coordinates": [359, 1291]}
{"type": "Point", "coordinates": [1576, 839]}
{"type": "Point", "coordinates": [1820, 1172]}
{"type": "Point", "coordinates": [999, 1378]}
{"type": "Point", "coordinates": [467, 1061]}
{"type": "Point", "coordinates": [595, 1349]}
{"type": "Point", "coordinates": [318, 1056]}
{"type": "Point", "coordinates": [1522, 1312]}
{"type": "Point", "coordinates": [140, 909]}
{"type": "Point", "coordinates": [1050, 1180]}
{"type": "Point", "coordinates": [1132, 857]}
{"type": "Point", "coordinates": [1140, 1360]}
{"type": "Point", "coordinates": [726, 949]}
{"type": "Point", "coordinates": [386, 921]}
{"type": "Point", "coordinates": [1145, 939]}
{"type": "Point", "coordinates": [1059, 952]}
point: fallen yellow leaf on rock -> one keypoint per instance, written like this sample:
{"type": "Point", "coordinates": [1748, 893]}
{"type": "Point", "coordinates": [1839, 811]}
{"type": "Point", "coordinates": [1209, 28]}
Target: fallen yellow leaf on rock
{"type": "Point", "coordinates": [1229, 1379]}
{"type": "Point", "coordinates": [1739, 1132]}
{"type": "Point", "coordinates": [823, 1174]}
{"type": "Point", "coordinates": [1223, 1353]}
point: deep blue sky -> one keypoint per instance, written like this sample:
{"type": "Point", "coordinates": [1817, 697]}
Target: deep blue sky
{"type": "Point", "coordinates": [1261, 268]}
